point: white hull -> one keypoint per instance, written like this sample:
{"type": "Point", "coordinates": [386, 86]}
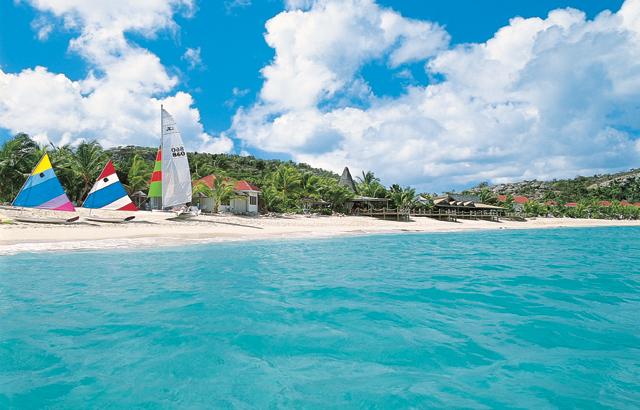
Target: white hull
{"type": "Point", "coordinates": [184, 215]}
{"type": "Point", "coordinates": [33, 219]}
{"type": "Point", "coordinates": [108, 220]}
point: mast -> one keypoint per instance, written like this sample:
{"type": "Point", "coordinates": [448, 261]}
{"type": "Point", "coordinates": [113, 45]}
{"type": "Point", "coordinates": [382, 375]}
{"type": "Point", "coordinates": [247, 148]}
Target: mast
{"type": "Point", "coordinates": [161, 149]}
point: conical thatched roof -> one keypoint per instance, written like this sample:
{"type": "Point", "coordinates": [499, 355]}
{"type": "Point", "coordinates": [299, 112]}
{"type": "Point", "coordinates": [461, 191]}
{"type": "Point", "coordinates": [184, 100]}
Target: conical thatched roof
{"type": "Point", "coordinates": [346, 180]}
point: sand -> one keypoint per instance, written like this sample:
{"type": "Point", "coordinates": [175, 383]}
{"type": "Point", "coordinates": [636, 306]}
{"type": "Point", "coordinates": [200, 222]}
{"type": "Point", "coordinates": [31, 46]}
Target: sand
{"type": "Point", "coordinates": [156, 229]}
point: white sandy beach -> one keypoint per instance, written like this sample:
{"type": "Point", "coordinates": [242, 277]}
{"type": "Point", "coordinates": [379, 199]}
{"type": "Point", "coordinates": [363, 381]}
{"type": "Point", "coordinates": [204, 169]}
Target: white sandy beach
{"type": "Point", "coordinates": [154, 228]}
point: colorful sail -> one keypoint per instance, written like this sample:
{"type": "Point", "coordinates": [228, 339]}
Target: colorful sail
{"type": "Point", "coordinates": [155, 189]}
{"type": "Point", "coordinates": [108, 193]}
{"type": "Point", "coordinates": [43, 190]}
{"type": "Point", "coordinates": [176, 177]}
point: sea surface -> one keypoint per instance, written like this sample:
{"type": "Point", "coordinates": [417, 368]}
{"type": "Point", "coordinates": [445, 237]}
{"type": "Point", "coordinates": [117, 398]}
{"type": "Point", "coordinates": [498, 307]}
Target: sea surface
{"type": "Point", "coordinates": [527, 319]}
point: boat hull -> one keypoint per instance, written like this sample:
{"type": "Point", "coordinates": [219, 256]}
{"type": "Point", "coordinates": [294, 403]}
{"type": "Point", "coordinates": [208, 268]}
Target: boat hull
{"type": "Point", "coordinates": [33, 219]}
{"type": "Point", "coordinates": [108, 220]}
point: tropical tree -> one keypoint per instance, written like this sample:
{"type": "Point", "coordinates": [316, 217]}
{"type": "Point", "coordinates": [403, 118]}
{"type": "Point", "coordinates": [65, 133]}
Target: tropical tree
{"type": "Point", "coordinates": [223, 191]}
{"type": "Point", "coordinates": [287, 181]}
{"type": "Point", "coordinates": [17, 158]}
{"type": "Point", "coordinates": [139, 175]}
{"type": "Point", "coordinates": [86, 163]}
{"type": "Point", "coordinates": [339, 195]}
{"type": "Point", "coordinates": [486, 196]}
{"type": "Point", "coordinates": [309, 184]}
{"type": "Point", "coordinates": [367, 178]}
{"type": "Point", "coordinates": [402, 197]}
{"type": "Point", "coordinates": [269, 198]}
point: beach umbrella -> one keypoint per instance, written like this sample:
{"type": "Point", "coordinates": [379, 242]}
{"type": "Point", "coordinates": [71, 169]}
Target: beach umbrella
{"type": "Point", "coordinates": [200, 195]}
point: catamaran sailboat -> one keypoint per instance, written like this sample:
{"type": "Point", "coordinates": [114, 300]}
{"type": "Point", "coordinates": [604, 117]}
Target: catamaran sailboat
{"type": "Point", "coordinates": [171, 180]}
{"type": "Point", "coordinates": [108, 194]}
{"type": "Point", "coordinates": [43, 190]}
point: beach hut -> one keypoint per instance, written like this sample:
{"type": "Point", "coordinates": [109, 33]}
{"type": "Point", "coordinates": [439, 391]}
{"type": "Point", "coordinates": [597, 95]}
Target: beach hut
{"type": "Point", "coordinates": [248, 193]}
{"type": "Point", "coordinates": [346, 180]}
{"type": "Point", "coordinates": [138, 198]}
{"type": "Point", "coordinates": [359, 202]}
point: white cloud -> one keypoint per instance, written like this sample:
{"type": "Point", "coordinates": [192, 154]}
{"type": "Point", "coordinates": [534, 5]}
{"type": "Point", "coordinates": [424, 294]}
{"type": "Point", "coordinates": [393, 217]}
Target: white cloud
{"type": "Point", "coordinates": [192, 56]}
{"type": "Point", "coordinates": [117, 103]}
{"type": "Point", "coordinates": [544, 98]}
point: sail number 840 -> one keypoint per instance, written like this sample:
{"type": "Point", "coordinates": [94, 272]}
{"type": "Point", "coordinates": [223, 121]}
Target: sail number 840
{"type": "Point", "coordinates": [178, 152]}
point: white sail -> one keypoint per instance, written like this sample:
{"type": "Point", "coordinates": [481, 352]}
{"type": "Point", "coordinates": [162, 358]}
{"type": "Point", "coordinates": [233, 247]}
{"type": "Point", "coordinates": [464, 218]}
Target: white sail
{"type": "Point", "coordinates": [176, 178]}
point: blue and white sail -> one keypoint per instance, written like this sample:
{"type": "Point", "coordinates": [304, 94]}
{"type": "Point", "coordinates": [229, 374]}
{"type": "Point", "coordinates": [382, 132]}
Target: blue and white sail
{"type": "Point", "coordinates": [108, 193]}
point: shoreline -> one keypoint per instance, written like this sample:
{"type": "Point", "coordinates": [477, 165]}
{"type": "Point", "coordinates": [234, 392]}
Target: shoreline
{"type": "Point", "coordinates": [154, 229]}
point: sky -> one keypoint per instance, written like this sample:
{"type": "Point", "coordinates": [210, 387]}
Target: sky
{"type": "Point", "coordinates": [433, 95]}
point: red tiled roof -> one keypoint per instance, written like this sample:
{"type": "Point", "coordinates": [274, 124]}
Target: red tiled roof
{"type": "Point", "coordinates": [625, 203]}
{"type": "Point", "coordinates": [516, 199]}
{"type": "Point", "coordinates": [605, 203]}
{"type": "Point", "coordinates": [637, 204]}
{"type": "Point", "coordinates": [571, 204]}
{"type": "Point", "coordinates": [551, 203]}
{"type": "Point", "coordinates": [240, 186]}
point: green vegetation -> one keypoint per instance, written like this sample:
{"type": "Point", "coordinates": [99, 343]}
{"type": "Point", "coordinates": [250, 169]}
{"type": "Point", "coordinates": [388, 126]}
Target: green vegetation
{"type": "Point", "coordinates": [285, 183]}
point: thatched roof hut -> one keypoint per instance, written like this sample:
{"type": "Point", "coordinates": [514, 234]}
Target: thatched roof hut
{"type": "Point", "coordinates": [346, 180]}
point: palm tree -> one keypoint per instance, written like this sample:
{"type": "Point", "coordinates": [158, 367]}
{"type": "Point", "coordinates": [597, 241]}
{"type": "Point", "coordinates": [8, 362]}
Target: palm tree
{"type": "Point", "coordinates": [367, 178]}
{"type": "Point", "coordinates": [339, 195]}
{"type": "Point", "coordinates": [17, 158]}
{"type": "Point", "coordinates": [139, 175]}
{"type": "Point", "coordinates": [269, 197]}
{"type": "Point", "coordinates": [486, 196]}
{"type": "Point", "coordinates": [87, 162]}
{"type": "Point", "coordinates": [286, 180]}
{"type": "Point", "coordinates": [402, 196]}
{"type": "Point", "coordinates": [309, 184]}
{"type": "Point", "coordinates": [221, 192]}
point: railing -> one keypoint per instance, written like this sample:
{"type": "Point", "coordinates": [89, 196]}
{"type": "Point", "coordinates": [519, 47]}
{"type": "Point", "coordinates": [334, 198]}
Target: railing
{"type": "Point", "coordinates": [442, 215]}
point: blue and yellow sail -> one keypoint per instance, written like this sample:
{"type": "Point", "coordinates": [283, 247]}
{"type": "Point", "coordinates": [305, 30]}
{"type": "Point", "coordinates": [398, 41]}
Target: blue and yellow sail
{"type": "Point", "coordinates": [43, 190]}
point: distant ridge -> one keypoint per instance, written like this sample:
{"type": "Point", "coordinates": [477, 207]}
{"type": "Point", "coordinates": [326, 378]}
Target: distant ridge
{"type": "Point", "coordinates": [622, 186]}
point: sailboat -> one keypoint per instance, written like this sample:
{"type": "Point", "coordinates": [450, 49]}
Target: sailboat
{"type": "Point", "coordinates": [43, 190]}
{"type": "Point", "coordinates": [171, 180]}
{"type": "Point", "coordinates": [108, 194]}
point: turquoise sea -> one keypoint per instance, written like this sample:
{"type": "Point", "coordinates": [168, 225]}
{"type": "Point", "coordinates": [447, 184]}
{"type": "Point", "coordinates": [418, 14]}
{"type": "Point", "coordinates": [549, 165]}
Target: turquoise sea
{"type": "Point", "coordinates": [531, 319]}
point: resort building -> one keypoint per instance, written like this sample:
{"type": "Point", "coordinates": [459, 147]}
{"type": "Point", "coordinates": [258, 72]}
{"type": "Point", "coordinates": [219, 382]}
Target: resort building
{"type": "Point", "coordinates": [359, 202]}
{"type": "Point", "coordinates": [247, 203]}
{"type": "Point", "coordinates": [518, 201]}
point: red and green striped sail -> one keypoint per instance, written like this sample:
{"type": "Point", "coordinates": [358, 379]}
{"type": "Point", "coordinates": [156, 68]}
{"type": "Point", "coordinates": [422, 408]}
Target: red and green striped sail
{"type": "Point", "coordinates": [155, 190]}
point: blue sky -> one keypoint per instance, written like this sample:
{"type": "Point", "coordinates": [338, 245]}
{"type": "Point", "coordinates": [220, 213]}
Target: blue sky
{"type": "Point", "coordinates": [435, 95]}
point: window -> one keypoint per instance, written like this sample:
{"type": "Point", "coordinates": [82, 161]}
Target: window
{"type": "Point", "coordinates": [253, 200]}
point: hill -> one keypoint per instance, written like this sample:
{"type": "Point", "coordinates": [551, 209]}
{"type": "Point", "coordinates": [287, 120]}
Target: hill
{"type": "Point", "coordinates": [622, 186]}
{"type": "Point", "coordinates": [247, 168]}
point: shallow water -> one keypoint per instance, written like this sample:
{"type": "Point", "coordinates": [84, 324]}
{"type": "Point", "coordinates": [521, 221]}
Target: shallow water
{"type": "Point", "coordinates": [536, 319]}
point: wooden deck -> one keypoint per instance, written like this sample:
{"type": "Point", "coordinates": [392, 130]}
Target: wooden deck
{"type": "Point", "coordinates": [451, 216]}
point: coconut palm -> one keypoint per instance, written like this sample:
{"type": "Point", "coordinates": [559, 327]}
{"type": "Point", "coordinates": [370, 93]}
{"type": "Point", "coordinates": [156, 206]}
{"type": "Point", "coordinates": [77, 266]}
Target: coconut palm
{"type": "Point", "coordinates": [309, 184]}
{"type": "Point", "coordinates": [87, 161]}
{"type": "Point", "coordinates": [402, 196]}
{"type": "Point", "coordinates": [367, 178]}
{"type": "Point", "coordinates": [486, 196]}
{"type": "Point", "coordinates": [221, 192]}
{"type": "Point", "coordinates": [139, 175]}
{"type": "Point", "coordinates": [17, 158]}
{"type": "Point", "coordinates": [287, 181]}
{"type": "Point", "coordinates": [269, 198]}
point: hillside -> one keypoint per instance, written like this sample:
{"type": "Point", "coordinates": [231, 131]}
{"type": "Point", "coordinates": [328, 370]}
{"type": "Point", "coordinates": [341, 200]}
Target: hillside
{"type": "Point", "coordinates": [622, 186]}
{"type": "Point", "coordinates": [248, 168]}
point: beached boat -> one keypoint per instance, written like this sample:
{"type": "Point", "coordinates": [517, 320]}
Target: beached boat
{"type": "Point", "coordinates": [171, 180]}
{"type": "Point", "coordinates": [108, 194]}
{"type": "Point", "coordinates": [43, 190]}
{"type": "Point", "coordinates": [5, 220]}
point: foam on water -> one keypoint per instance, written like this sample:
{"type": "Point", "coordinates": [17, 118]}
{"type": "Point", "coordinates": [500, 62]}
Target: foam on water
{"type": "Point", "coordinates": [537, 319]}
